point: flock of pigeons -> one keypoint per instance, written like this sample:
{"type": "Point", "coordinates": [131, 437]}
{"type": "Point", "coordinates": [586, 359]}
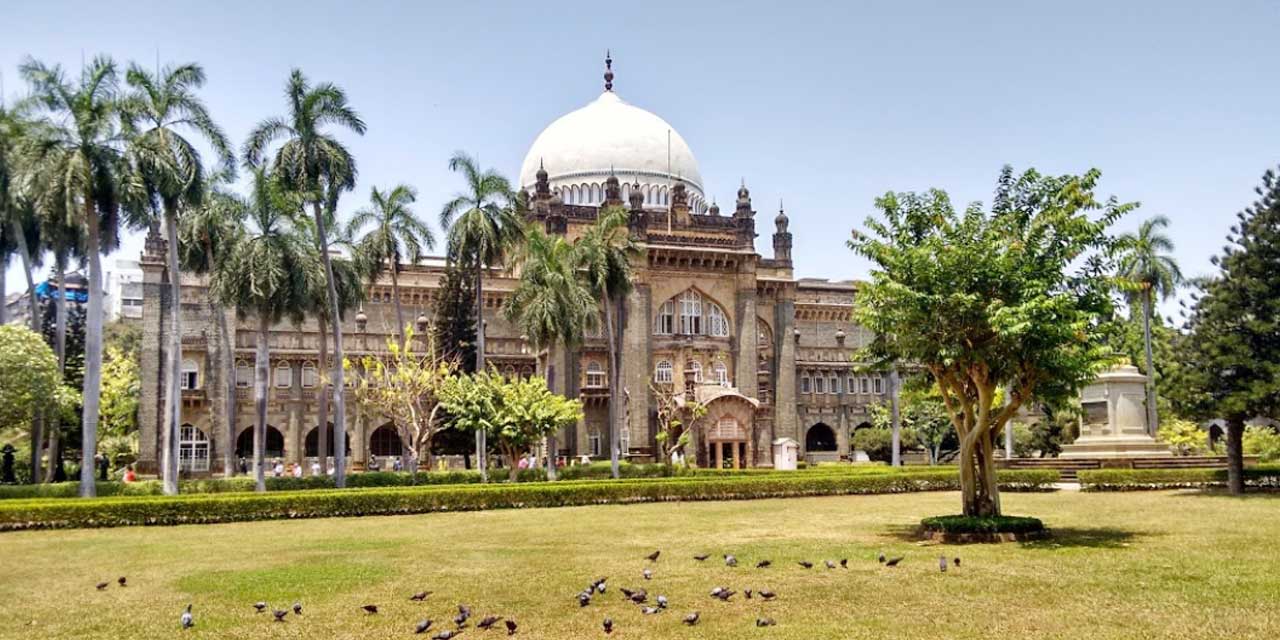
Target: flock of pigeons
{"type": "Point", "coordinates": [595, 589]}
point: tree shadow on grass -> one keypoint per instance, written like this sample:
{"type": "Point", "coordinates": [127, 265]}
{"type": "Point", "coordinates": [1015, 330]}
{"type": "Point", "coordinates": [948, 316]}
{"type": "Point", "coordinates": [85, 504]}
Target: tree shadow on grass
{"type": "Point", "coordinates": [1059, 538]}
{"type": "Point", "coordinates": [1252, 493]}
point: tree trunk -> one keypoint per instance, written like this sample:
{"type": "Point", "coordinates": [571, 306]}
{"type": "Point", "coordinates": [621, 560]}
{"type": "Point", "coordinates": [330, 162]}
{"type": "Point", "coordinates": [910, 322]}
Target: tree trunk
{"type": "Point", "coordinates": [37, 421]}
{"type": "Point", "coordinates": [1153, 420]}
{"type": "Point", "coordinates": [59, 348]}
{"type": "Point", "coordinates": [55, 452]}
{"type": "Point", "coordinates": [92, 358]}
{"type": "Point", "coordinates": [481, 445]}
{"type": "Point", "coordinates": [335, 317]}
{"type": "Point", "coordinates": [895, 418]}
{"type": "Point", "coordinates": [260, 366]}
{"type": "Point", "coordinates": [173, 391]}
{"type": "Point", "coordinates": [395, 294]}
{"type": "Point", "coordinates": [553, 448]}
{"type": "Point", "coordinates": [231, 400]}
{"type": "Point", "coordinates": [1235, 455]}
{"type": "Point", "coordinates": [4, 293]}
{"type": "Point", "coordinates": [615, 432]}
{"type": "Point", "coordinates": [322, 409]}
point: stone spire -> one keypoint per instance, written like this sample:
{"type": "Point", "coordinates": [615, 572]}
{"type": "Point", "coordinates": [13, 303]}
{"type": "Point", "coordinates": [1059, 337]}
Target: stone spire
{"type": "Point", "coordinates": [612, 191]}
{"type": "Point", "coordinates": [744, 218]}
{"type": "Point", "coordinates": [638, 219]}
{"type": "Point", "coordinates": [781, 236]}
{"type": "Point", "coordinates": [608, 71]}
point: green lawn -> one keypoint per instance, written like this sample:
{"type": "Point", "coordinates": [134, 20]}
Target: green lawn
{"type": "Point", "coordinates": [1131, 565]}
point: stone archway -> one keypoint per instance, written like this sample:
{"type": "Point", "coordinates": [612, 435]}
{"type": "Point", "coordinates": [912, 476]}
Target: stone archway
{"type": "Point", "coordinates": [273, 446]}
{"type": "Point", "coordinates": [726, 439]}
{"type": "Point", "coordinates": [820, 437]}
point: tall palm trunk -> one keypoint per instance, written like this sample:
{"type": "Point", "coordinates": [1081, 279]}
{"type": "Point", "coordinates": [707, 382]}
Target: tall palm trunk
{"type": "Point", "coordinates": [553, 448]}
{"type": "Point", "coordinates": [37, 422]}
{"type": "Point", "coordinates": [395, 293]}
{"type": "Point", "coordinates": [260, 402]}
{"type": "Point", "coordinates": [322, 410]}
{"type": "Point", "coordinates": [1235, 454]}
{"type": "Point", "coordinates": [482, 462]}
{"type": "Point", "coordinates": [1153, 424]}
{"type": "Point", "coordinates": [59, 348]}
{"type": "Point", "coordinates": [339, 402]}
{"type": "Point", "coordinates": [92, 357]}
{"type": "Point", "coordinates": [173, 391]}
{"type": "Point", "coordinates": [615, 431]}
{"type": "Point", "coordinates": [229, 375]}
{"type": "Point", "coordinates": [4, 293]}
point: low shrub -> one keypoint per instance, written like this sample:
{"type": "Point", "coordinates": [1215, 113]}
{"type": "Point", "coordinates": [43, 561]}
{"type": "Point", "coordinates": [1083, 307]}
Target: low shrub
{"type": "Point", "coordinates": [1261, 476]}
{"type": "Point", "coordinates": [976, 524]}
{"type": "Point", "coordinates": [213, 508]}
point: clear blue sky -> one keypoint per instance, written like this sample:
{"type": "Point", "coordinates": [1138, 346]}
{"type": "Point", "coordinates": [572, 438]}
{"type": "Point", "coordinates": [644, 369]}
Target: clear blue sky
{"type": "Point", "coordinates": [825, 105]}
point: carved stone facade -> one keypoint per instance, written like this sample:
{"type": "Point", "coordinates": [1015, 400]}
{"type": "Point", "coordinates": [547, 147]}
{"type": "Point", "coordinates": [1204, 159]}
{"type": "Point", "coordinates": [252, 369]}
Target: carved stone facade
{"type": "Point", "coordinates": [772, 355]}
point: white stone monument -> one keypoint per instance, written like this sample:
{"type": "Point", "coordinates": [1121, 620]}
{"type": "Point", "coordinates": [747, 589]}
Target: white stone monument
{"type": "Point", "coordinates": [1114, 420]}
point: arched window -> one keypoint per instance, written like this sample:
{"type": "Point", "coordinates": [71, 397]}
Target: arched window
{"type": "Point", "coordinates": [694, 368]}
{"type": "Point", "coordinates": [595, 375]}
{"type": "Point", "coordinates": [626, 192]}
{"type": "Point", "coordinates": [595, 193]}
{"type": "Point", "coordinates": [833, 383]}
{"type": "Point", "coordinates": [717, 323]}
{"type": "Point", "coordinates": [721, 373]}
{"type": "Point", "coordinates": [284, 375]}
{"type": "Point", "coordinates": [193, 449]}
{"type": "Point", "coordinates": [663, 373]}
{"type": "Point", "coordinates": [385, 442]}
{"type": "Point", "coordinates": [190, 375]}
{"type": "Point", "coordinates": [575, 195]}
{"type": "Point", "coordinates": [690, 313]}
{"type": "Point", "coordinates": [310, 376]}
{"type": "Point", "coordinates": [665, 323]}
{"type": "Point", "coordinates": [244, 374]}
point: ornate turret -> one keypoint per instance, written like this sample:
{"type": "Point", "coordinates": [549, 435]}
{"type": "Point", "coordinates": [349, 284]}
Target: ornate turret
{"type": "Point", "coordinates": [781, 236]}
{"type": "Point", "coordinates": [612, 192]}
{"type": "Point", "coordinates": [362, 320]}
{"type": "Point", "coordinates": [715, 209]}
{"type": "Point", "coordinates": [549, 207]}
{"type": "Point", "coordinates": [638, 220]}
{"type": "Point", "coordinates": [541, 193]}
{"type": "Point", "coordinates": [680, 202]}
{"type": "Point", "coordinates": [154, 248]}
{"type": "Point", "coordinates": [744, 217]}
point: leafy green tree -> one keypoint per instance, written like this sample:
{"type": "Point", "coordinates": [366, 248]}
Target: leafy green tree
{"type": "Point", "coordinates": [1144, 261]}
{"type": "Point", "coordinates": [605, 251]}
{"type": "Point", "coordinates": [1261, 441]}
{"type": "Point", "coordinates": [79, 163]}
{"type": "Point", "coordinates": [517, 414]}
{"type": "Point", "coordinates": [396, 236]}
{"type": "Point", "coordinates": [677, 415]}
{"type": "Point", "coordinates": [1231, 354]}
{"type": "Point", "coordinates": [120, 392]}
{"type": "Point", "coordinates": [1185, 436]}
{"type": "Point", "coordinates": [454, 329]}
{"type": "Point", "coordinates": [1012, 298]}
{"type": "Point", "coordinates": [270, 276]}
{"type": "Point", "coordinates": [482, 227]}
{"type": "Point", "coordinates": [404, 386]}
{"type": "Point", "coordinates": [159, 113]}
{"type": "Point", "coordinates": [317, 165]}
{"type": "Point", "coordinates": [29, 377]}
{"type": "Point", "coordinates": [551, 304]}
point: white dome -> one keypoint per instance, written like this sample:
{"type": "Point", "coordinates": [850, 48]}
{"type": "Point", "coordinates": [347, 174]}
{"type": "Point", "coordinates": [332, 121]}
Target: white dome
{"type": "Point", "coordinates": [608, 136]}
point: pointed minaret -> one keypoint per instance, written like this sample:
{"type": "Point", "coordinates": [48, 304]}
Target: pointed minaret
{"type": "Point", "coordinates": [608, 71]}
{"type": "Point", "coordinates": [744, 218]}
{"type": "Point", "coordinates": [541, 192]}
{"type": "Point", "coordinates": [638, 219]}
{"type": "Point", "coordinates": [782, 236]}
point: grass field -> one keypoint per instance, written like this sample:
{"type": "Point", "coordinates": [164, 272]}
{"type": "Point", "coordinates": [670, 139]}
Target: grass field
{"type": "Point", "coordinates": [1132, 565]}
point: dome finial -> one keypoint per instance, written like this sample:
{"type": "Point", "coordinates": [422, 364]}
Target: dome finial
{"type": "Point", "coordinates": [608, 71]}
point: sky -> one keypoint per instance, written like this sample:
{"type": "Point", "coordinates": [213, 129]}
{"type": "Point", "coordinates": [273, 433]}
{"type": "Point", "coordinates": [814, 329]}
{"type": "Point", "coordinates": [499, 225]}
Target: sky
{"type": "Point", "coordinates": [824, 106]}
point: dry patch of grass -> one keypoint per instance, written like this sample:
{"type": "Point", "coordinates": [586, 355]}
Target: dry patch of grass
{"type": "Point", "coordinates": [1133, 565]}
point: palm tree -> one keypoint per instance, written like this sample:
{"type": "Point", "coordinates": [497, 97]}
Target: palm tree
{"type": "Point", "coordinates": [482, 227]}
{"type": "Point", "coordinates": [348, 274]}
{"type": "Point", "coordinates": [552, 305]}
{"type": "Point", "coordinates": [312, 161]}
{"type": "Point", "coordinates": [79, 162]}
{"type": "Point", "coordinates": [207, 237]}
{"type": "Point", "coordinates": [1146, 263]}
{"type": "Point", "coordinates": [397, 236]}
{"type": "Point", "coordinates": [270, 275]}
{"type": "Point", "coordinates": [161, 107]}
{"type": "Point", "coordinates": [605, 252]}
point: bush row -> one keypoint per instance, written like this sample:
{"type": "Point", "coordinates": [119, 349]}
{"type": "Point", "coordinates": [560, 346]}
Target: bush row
{"type": "Point", "coordinates": [593, 471]}
{"type": "Point", "coordinates": [976, 524]}
{"type": "Point", "coordinates": [214, 508]}
{"type": "Point", "coordinates": [1263, 476]}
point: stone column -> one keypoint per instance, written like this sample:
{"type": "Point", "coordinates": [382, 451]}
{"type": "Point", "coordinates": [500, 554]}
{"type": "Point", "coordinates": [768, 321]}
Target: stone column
{"type": "Point", "coordinates": [150, 380]}
{"type": "Point", "coordinates": [785, 424]}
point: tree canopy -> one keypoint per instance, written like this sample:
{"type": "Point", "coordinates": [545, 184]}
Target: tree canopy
{"type": "Point", "coordinates": [29, 377]}
{"type": "Point", "coordinates": [1016, 297]}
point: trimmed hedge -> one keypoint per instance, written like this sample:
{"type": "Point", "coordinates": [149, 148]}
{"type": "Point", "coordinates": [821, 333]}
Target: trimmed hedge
{"type": "Point", "coordinates": [1262, 476]}
{"type": "Point", "coordinates": [593, 471]}
{"type": "Point", "coordinates": [975, 524]}
{"type": "Point", "coordinates": [213, 508]}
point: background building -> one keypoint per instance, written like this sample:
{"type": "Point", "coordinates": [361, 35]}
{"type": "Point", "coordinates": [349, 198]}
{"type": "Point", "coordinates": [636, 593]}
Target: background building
{"type": "Point", "coordinates": [771, 356]}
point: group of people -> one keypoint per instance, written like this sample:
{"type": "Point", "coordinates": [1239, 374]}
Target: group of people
{"type": "Point", "coordinates": [280, 469]}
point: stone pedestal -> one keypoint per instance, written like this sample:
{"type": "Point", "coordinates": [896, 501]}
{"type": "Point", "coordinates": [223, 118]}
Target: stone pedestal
{"type": "Point", "coordinates": [1114, 421]}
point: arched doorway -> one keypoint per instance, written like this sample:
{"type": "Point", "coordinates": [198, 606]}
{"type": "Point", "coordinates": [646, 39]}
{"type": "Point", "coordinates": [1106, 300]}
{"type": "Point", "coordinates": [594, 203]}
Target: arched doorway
{"type": "Point", "coordinates": [820, 438]}
{"type": "Point", "coordinates": [274, 444]}
{"type": "Point", "coordinates": [385, 442]}
{"type": "Point", "coordinates": [312, 445]}
{"type": "Point", "coordinates": [727, 443]}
